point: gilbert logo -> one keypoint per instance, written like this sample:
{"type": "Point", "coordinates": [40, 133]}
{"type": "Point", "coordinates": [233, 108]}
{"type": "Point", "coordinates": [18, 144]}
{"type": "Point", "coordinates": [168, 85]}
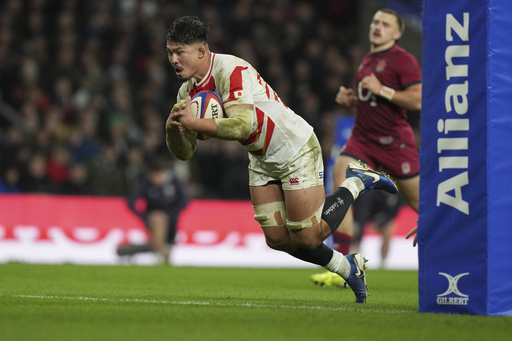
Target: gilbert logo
{"type": "Point", "coordinates": [461, 298]}
{"type": "Point", "coordinates": [294, 181]}
{"type": "Point", "coordinates": [215, 110]}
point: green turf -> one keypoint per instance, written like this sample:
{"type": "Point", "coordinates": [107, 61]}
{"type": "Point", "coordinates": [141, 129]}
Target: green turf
{"type": "Point", "coordinates": [71, 302]}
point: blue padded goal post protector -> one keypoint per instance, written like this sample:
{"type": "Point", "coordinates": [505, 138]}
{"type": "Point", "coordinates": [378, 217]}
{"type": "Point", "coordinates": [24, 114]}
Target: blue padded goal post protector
{"type": "Point", "coordinates": [465, 220]}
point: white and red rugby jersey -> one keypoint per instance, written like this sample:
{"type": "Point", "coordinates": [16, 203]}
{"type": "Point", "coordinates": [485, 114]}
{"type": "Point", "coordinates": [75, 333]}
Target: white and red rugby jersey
{"type": "Point", "coordinates": [277, 132]}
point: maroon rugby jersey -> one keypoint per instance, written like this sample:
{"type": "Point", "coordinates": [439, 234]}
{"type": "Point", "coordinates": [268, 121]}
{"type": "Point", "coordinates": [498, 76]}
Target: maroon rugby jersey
{"type": "Point", "coordinates": [378, 120]}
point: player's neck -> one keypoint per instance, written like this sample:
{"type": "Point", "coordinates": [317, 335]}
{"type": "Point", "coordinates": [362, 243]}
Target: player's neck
{"type": "Point", "coordinates": [379, 48]}
{"type": "Point", "coordinates": [205, 66]}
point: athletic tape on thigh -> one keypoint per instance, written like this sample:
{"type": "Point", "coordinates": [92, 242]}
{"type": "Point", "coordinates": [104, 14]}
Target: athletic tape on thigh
{"type": "Point", "coordinates": [270, 214]}
{"type": "Point", "coordinates": [316, 218]}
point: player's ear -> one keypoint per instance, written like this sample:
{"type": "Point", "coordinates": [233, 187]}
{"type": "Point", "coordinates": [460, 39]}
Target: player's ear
{"type": "Point", "coordinates": [397, 35]}
{"type": "Point", "coordinates": [202, 49]}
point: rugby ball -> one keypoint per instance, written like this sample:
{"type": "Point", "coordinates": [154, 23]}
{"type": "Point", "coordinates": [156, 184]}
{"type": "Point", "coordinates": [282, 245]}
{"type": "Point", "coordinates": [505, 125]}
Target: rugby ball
{"type": "Point", "coordinates": [206, 104]}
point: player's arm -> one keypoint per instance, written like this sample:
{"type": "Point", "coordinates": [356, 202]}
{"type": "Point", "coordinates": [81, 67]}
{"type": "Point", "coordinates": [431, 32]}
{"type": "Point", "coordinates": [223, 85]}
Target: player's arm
{"type": "Point", "coordinates": [408, 98]}
{"type": "Point", "coordinates": [183, 117]}
{"type": "Point", "coordinates": [180, 141]}
{"type": "Point", "coordinates": [411, 233]}
{"type": "Point", "coordinates": [346, 97]}
{"type": "Point", "coordinates": [237, 126]}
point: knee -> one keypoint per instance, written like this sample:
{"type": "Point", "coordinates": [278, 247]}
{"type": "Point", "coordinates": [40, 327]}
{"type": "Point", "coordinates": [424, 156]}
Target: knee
{"type": "Point", "coordinates": [279, 244]}
{"type": "Point", "coordinates": [308, 244]}
{"type": "Point", "coordinates": [291, 242]}
{"type": "Point", "coordinates": [275, 245]}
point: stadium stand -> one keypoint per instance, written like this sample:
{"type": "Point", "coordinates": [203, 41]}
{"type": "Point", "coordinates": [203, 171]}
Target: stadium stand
{"type": "Point", "coordinates": [85, 85]}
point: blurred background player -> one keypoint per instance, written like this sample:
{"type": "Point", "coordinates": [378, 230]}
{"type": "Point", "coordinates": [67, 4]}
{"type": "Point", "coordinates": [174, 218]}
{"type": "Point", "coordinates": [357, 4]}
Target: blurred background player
{"type": "Point", "coordinates": [376, 210]}
{"type": "Point", "coordinates": [388, 85]}
{"type": "Point", "coordinates": [158, 196]}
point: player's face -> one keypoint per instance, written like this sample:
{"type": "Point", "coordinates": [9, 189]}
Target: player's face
{"type": "Point", "coordinates": [185, 59]}
{"type": "Point", "coordinates": [384, 31]}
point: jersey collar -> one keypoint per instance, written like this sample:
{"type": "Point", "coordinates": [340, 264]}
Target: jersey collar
{"type": "Point", "coordinates": [383, 51]}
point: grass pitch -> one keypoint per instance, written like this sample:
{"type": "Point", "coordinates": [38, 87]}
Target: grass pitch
{"type": "Point", "coordinates": [71, 302]}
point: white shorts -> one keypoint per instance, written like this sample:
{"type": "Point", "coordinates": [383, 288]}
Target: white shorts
{"type": "Point", "coordinates": [304, 170]}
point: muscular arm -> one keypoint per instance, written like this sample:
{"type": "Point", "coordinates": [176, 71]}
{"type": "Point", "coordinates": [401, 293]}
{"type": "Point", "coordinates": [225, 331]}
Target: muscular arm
{"type": "Point", "coordinates": [409, 98]}
{"type": "Point", "coordinates": [238, 125]}
{"type": "Point", "coordinates": [181, 142]}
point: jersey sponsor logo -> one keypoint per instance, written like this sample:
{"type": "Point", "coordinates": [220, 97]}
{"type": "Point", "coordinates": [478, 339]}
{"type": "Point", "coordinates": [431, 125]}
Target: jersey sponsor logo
{"type": "Point", "coordinates": [294, 181]}
{"type": "Point", "coordinates": [461, 299]}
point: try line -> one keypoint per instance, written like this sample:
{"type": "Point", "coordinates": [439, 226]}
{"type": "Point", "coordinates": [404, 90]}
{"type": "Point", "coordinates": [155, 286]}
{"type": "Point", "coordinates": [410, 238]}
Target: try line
{"type": "Point", "coordinates": [200, 303]}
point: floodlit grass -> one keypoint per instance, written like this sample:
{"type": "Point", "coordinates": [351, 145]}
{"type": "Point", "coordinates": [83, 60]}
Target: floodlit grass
{"type": "Point", "coordinates": [71, 302]}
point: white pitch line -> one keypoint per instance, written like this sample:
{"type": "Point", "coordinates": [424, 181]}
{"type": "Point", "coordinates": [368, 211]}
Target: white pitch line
{"type": "Point", "coordinates": [199, 303]}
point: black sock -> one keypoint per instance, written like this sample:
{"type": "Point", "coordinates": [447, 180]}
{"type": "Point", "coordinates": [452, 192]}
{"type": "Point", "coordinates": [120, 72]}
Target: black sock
{"type": "Point", "coordinates": [321, 255]}
{"type": "Point", "coordinates": [336, 206]}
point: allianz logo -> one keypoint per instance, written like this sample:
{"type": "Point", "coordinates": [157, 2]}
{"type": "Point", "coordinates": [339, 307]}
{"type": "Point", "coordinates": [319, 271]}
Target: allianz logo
{"type": "Point", "coordinates": [460, 298]}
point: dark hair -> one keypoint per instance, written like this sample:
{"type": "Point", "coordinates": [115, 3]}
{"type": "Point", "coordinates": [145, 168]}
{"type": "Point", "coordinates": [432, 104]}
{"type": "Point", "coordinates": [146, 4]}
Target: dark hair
{"type": "Point", "coordinates": [399, 19]}
{"type": "Point", "coordinates": [188, 30]}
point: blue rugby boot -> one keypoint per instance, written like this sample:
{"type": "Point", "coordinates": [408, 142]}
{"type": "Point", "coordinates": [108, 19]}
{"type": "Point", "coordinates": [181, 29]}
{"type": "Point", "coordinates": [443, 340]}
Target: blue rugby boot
{"type": "Point", "coordinates": [371, 179]}
{"type": "Point", "coordinates": [357, 278]}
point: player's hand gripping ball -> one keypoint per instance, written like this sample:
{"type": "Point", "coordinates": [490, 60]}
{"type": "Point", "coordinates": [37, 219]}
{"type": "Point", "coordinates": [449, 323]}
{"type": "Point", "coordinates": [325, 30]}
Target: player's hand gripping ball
{"type": "Point", "coordinates": [206, 104]}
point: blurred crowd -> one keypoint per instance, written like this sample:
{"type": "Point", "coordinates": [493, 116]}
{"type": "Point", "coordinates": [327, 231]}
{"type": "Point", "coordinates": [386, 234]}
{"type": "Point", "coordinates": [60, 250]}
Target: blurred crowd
{"type": "Point", "coordinates": [85, 86]}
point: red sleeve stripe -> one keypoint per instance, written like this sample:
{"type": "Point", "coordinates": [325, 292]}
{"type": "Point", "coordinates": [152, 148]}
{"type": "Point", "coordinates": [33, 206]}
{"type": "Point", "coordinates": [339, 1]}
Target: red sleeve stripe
{"type": "Point", "coordinates": [260, 116]}
{"type": "Point", "coordinates": [256, 135]}
{"type": "Point", "coordinates": [270, 131]}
